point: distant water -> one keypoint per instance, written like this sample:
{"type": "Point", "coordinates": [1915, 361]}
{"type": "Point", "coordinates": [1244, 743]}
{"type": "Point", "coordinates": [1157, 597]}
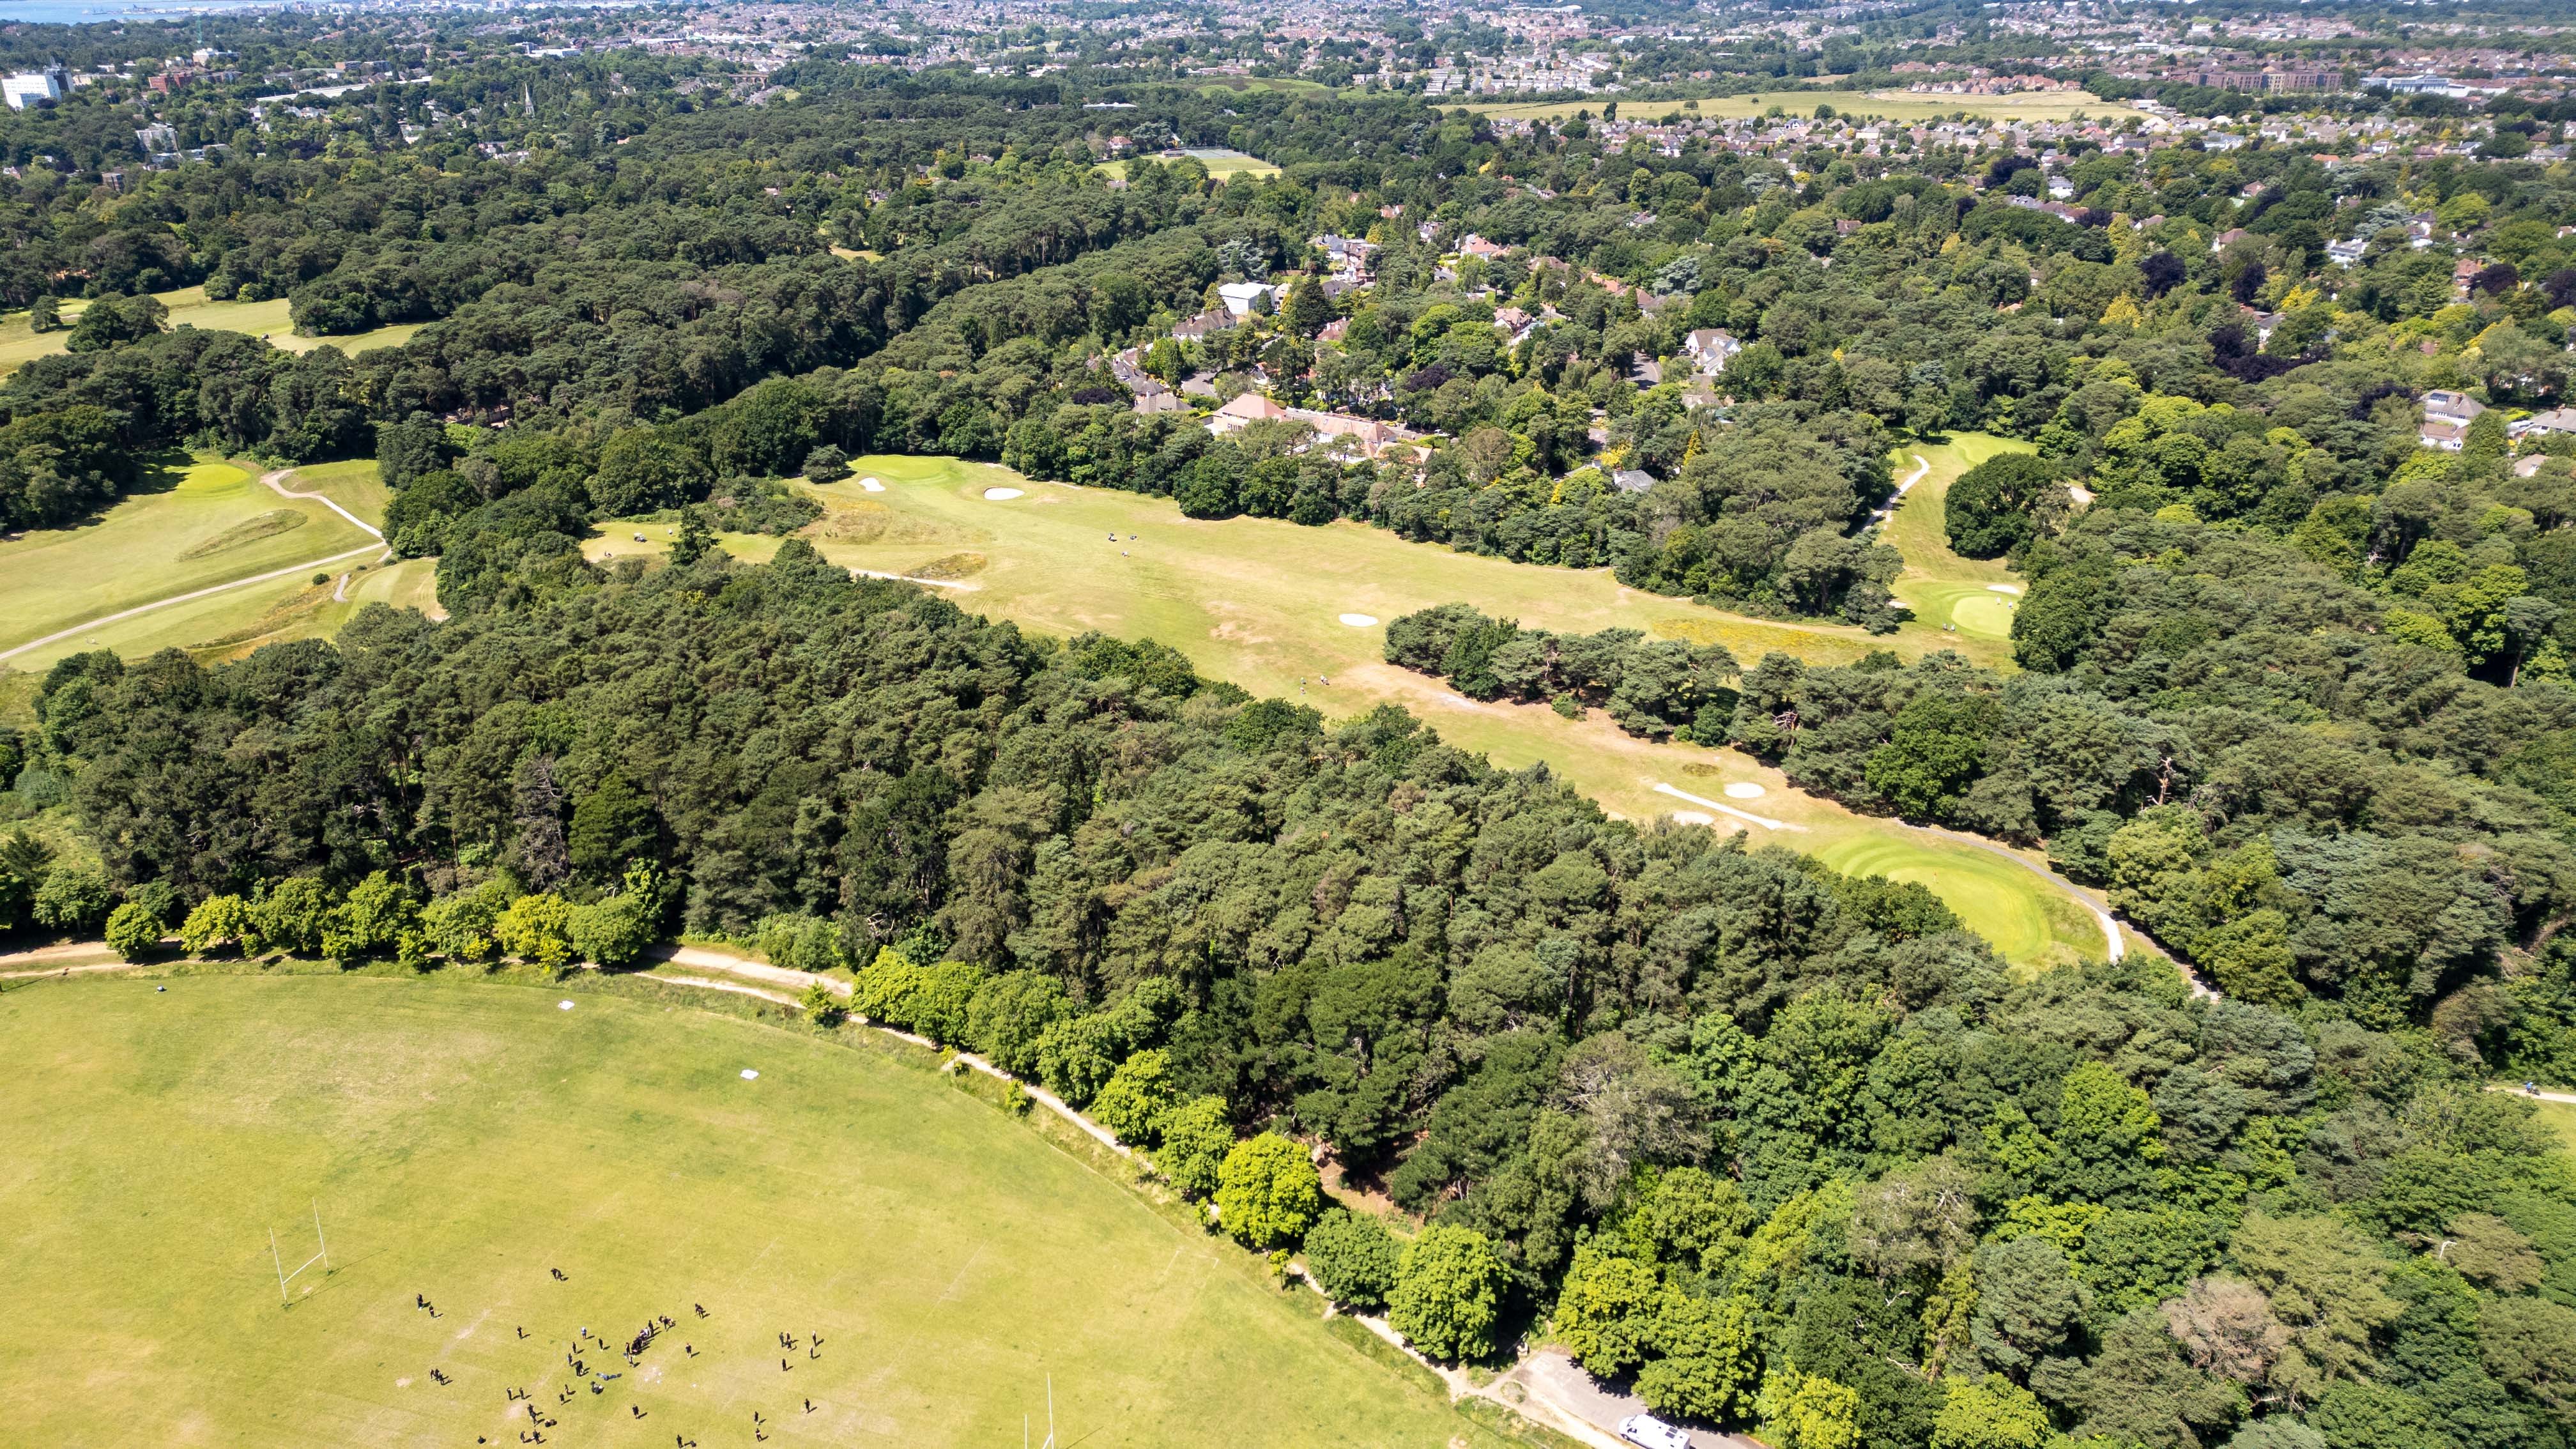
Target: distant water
{"type": "Point", "coordinates": [91, 12]}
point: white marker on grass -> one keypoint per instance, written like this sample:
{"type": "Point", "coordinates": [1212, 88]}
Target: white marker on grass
{"type": "Point", "coordinates": [749, 1075]}
{"type": "Point", "coordinates": [563, 1006]}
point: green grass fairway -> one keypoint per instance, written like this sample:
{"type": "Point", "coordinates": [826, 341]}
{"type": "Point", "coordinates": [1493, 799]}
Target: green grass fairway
{"type": "Point", "coordinates": [463, 1138]}
{"type": "Point", "coordinates": [1882, 105]}
{"type": "Point", "coordinates": [189, 307]}
{"type": "Point", "coordinates": [1975, 595]}
{"type": "Point", "coordinates": [1221, 164]}
{"type": "Point", "coordinates": [1992, 896]}
{"type": "Point", "coordinates": [1285, 85]}
{"type": "Point", "coordinates": [53, 579]}
{"type": "Point", "coordinates": [231, 624]}
{"type": "Point", "coordinates": [1259, 602]}
{"type": "Point", "coordinates": [354, 485]}
{"type": "Point", "coordinates": [2558, 1117]}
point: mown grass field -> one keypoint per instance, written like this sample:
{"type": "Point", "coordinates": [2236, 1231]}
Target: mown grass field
{"type": "Point", "coordinates": [1259, 602]}
{"type": "Point", "coordinates": [1969, 602]}
{"type": "Point", "coordinates": [2558, 1117]}
{"type": "Point", "coordinates": [195, 523]}
{"type": "Point", "coordinates": [1882, 105]}
{"type": "Point", "coordinates": [190, 307]}
{"type": "Point", "coordinates": [464, 1138]}
{"type": "Point", "coordinates": [1221, 164]}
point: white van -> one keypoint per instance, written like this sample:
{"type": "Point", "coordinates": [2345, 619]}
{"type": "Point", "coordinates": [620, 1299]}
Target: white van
{"type": "Point", "coordinates": [1652, 1432]}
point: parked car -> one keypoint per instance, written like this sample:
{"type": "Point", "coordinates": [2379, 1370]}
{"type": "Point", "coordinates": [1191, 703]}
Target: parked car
{"type": "Point", "coordinates": [1652, 1432]}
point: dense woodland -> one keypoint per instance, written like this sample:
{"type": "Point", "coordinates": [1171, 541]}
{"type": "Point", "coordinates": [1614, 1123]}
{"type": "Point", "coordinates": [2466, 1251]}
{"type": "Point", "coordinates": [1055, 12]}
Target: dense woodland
{"type": "Point", "coordinates": [1788, 1147]}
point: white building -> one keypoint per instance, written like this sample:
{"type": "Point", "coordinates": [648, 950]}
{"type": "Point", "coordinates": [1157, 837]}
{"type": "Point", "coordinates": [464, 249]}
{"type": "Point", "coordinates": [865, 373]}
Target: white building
{"type": "Point", "coordinates": [1239, 296]}
{"type": "Point", "coordinates": [35, 87]}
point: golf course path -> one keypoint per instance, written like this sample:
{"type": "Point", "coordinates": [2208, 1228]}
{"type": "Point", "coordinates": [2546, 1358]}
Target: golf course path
{"type": "Point", "coordinates": [277, 481]}
{"type": "Point", "coordinates": [273, 574]}
{"type": "Point", "coordinates": [1922, 470]}
{"type": "Point", "coordinates": [2568, 1098]}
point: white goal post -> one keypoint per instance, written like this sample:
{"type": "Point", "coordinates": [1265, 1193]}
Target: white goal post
{"type": "Point", "coordinates": [323, 1257]}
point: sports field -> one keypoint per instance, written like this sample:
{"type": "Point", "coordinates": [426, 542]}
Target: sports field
{"type": "Point", "coordinates": [935, 1262]}
{"type": "Point", "coordinates": [193, 524]}
{"type": "Point", "coordinates": [1881, 105]}
{"type": "Point", "coordinates": [1262, 602]}
{"type": "Point", "coordinates": [189, 307]}
{"type": "Point", "coordinates": [1969, 602]}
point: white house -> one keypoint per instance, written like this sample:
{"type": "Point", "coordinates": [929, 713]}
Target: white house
{"type": "Point", "coordinates": [2447, 416]}
{"type": "Point", "coordinates": [1711, 348]}
{"type": "Point", "coordinates": [1239, 296]}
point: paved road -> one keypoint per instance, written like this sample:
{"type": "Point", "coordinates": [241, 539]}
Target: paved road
{"type": "Point", "coordinates": [1562, 1383]}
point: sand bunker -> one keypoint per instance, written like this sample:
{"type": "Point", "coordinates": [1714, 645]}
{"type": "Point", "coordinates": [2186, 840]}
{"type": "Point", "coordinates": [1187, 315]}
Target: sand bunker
{"type": "Point", "coordinates": [1693, 817]}
{"type": "Point", "coordinates": [2003, 588]}
{"type": "Point", "coordinates": [1745, 790]}
{"type": "Point", "coordinates": [997, 495]}
{"type": "Point", "coordinates": [1359, 621]}
{"type": "Point", "coordinates": [872, 485]}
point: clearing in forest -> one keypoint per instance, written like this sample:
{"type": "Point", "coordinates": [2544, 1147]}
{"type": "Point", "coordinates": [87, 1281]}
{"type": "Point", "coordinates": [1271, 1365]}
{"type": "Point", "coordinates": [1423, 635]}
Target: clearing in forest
{"type": "Point", "coordinates": [1975, 598]}
{"type": "Point", "coordinates": [190, 307]}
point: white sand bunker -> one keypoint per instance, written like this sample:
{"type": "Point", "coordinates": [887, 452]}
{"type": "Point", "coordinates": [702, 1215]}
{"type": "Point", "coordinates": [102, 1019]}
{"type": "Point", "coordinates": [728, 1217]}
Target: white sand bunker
{"type": "Point", "coordinates": [2003, 588]}
{"type": "Point", "coordinates": [1745, 790]}
{"type": "Point", "coordinates": [1693, 817]}
{"type": "Point", "coordinates": [1360, 621]}
{"type": "Point", "coordinates": [872, 485]}
{"type": "Point", "coordinates": [998, 495]}
{"type": "Point", "coordinates": [749, 1075]}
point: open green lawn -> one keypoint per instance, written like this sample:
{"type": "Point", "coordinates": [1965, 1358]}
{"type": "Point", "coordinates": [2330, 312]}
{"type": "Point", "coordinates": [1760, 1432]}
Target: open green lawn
{"type": "Point", "coordinates": [1967, 602]}
{"type": "Point", "coordinates": [463, 1138]}
{"type": "Point", "coordinates": [193, 524]}
{"type": "Point", "coordinates": [1220, 164]}
{"type": "Point", "coordinates": [2559, 1117]}
{"type": "Point", "coordinates": [1883, 105]}
{"type": "Point", "coordinates": [1259, 602]}
{"type": "Point", "coordinates": [1285, 85]}
{"type": "Point", "coordinates": [232, 623]}
{"type": "Point", "coordinates": [189, 307]}
{"type": "Point", "coordinates": [354, 484]}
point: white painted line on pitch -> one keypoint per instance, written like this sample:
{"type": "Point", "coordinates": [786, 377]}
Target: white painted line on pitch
{"type": "Point", "coordinates": [1763, 821]}
{"type": "Point", "coordinates": [184, 598]}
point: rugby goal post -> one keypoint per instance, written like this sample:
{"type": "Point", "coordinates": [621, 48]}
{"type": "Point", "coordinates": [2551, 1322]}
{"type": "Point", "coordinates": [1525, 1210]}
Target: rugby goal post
{"type": "Point", "coordinates": [322, 1257]}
